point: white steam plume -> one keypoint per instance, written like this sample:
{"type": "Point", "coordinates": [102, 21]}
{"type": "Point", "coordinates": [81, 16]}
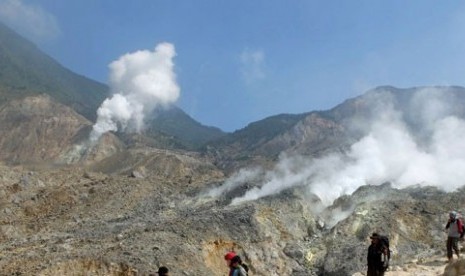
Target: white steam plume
{"type": "Point", "coordinates": [388, 152]}
{"type": "Point", "coordinates": [141, 81]}
{"type": "Point", "coordinates": [235, 181]}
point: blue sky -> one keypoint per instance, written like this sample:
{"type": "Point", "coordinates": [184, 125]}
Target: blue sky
{"type": "Point", "coordinates": [241, 61]}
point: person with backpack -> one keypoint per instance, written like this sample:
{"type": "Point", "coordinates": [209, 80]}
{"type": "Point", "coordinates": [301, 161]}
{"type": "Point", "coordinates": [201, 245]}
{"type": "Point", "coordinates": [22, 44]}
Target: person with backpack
{"type": "Point", "coordinates": [378, 255]}
{"type": "Point", "coordinates": [455, 231]}
{"type": "Point", "coordinates": [236, 267]}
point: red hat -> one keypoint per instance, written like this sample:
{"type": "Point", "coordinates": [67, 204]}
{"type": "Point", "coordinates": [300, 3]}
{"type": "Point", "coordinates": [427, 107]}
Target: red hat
{"type": "Point", "coordinates": [230, 255]}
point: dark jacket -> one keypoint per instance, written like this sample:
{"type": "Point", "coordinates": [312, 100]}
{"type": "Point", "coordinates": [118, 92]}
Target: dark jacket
{"type": "Point", "coordinates": [374, 257]}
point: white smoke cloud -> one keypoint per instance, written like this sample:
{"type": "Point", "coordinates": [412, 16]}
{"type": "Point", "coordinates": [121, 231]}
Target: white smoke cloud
{"type": "Point", "coordinates": [235, 181]}
{"type": "Point", "coordinates": [141, 81]}
{"type": "Point", "coordinates": [30, 20]}
{"type": "Point", "coordinates": [389, 151]}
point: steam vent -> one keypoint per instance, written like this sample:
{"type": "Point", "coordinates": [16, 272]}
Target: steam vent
{"type": "Point", "coordinates": [218, 129]}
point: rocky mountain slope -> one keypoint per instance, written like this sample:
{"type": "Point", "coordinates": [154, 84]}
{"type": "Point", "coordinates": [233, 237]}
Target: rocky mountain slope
{"type": "Point", "coordinates": [175, 122]}
{"type": "Point", "coordinates": [320, 132]}
{"type": "Point", "coordinates": [127, 210]}
{"type": "Point", "coordinates": [72, 221]}
{"type": "Point", "coordinates": [38, 130]}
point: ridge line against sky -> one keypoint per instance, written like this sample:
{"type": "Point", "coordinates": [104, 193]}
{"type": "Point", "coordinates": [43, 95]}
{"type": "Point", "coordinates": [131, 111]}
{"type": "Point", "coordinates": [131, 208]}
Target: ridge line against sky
{"type": "Point", "coordinates": [241, 61]}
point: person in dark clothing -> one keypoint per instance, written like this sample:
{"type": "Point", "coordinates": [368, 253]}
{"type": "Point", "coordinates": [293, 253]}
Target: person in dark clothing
{"type": "Point", "coordinates": [162, 271]}
{"type": "Point", "coordinates": [377, 257]}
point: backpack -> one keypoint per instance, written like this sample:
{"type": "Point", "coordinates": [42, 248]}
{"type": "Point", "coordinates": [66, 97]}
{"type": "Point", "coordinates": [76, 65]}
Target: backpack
{"type": "Point", "coordinates": [384, 243]}
{"type": "Point", "coordinates": [463, 227]}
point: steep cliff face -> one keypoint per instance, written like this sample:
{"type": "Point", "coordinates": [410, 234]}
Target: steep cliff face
{"type": "Point", "coordinates": [313, 135]}
{"type": "Point", "coordinates": [38, 130]}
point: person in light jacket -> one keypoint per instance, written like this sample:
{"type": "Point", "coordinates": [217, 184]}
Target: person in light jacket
{"type": "Point", "coordinates": [454, 228]}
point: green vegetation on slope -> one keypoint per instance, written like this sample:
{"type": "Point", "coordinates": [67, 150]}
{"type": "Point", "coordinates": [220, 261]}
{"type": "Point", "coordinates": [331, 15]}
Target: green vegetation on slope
{"type": "Point", "coordinates": [25, 70]}
{"type": "Point", "coordinates": [261, 131]}
{"type": "Point", "coordinates": [175, 122]}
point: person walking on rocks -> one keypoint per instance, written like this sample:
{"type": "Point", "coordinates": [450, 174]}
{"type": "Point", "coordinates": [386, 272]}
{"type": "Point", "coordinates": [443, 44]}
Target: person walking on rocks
{"type": "Point", "coordinates": [235, 265]}
{"type": "Point", "coordinates": [377, 257]}
{"type": "Point", "coordinates": [454, 228]}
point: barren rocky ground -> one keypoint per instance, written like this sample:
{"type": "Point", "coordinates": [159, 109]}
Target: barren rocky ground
{"type": "Point", "coordinates": [73, 221]}
{"type": "Point", "coordinates": [125, 209]}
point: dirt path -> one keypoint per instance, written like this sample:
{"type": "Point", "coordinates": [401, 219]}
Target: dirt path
{"type": "Point", "coordinates": [431, 267]}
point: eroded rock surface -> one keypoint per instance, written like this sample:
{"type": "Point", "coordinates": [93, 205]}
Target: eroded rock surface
{"type": "Point", "coordinates": [67, 220]}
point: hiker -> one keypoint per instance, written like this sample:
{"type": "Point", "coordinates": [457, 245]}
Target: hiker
{"type": "Point", "coordinates": [378, 256]}
{"type": "Point", "coordinates": [234, 262]}
{"type": "Point", "coordinates": [162, 271]}
{"type": "Point", "coordinates": [454, 227]}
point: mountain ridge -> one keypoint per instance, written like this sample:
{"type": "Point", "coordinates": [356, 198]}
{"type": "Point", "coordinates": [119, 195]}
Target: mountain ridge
{"type": "Point", "coordinates": [26, 71]}
{"type": "Point", "coordinates": [318, 132]}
